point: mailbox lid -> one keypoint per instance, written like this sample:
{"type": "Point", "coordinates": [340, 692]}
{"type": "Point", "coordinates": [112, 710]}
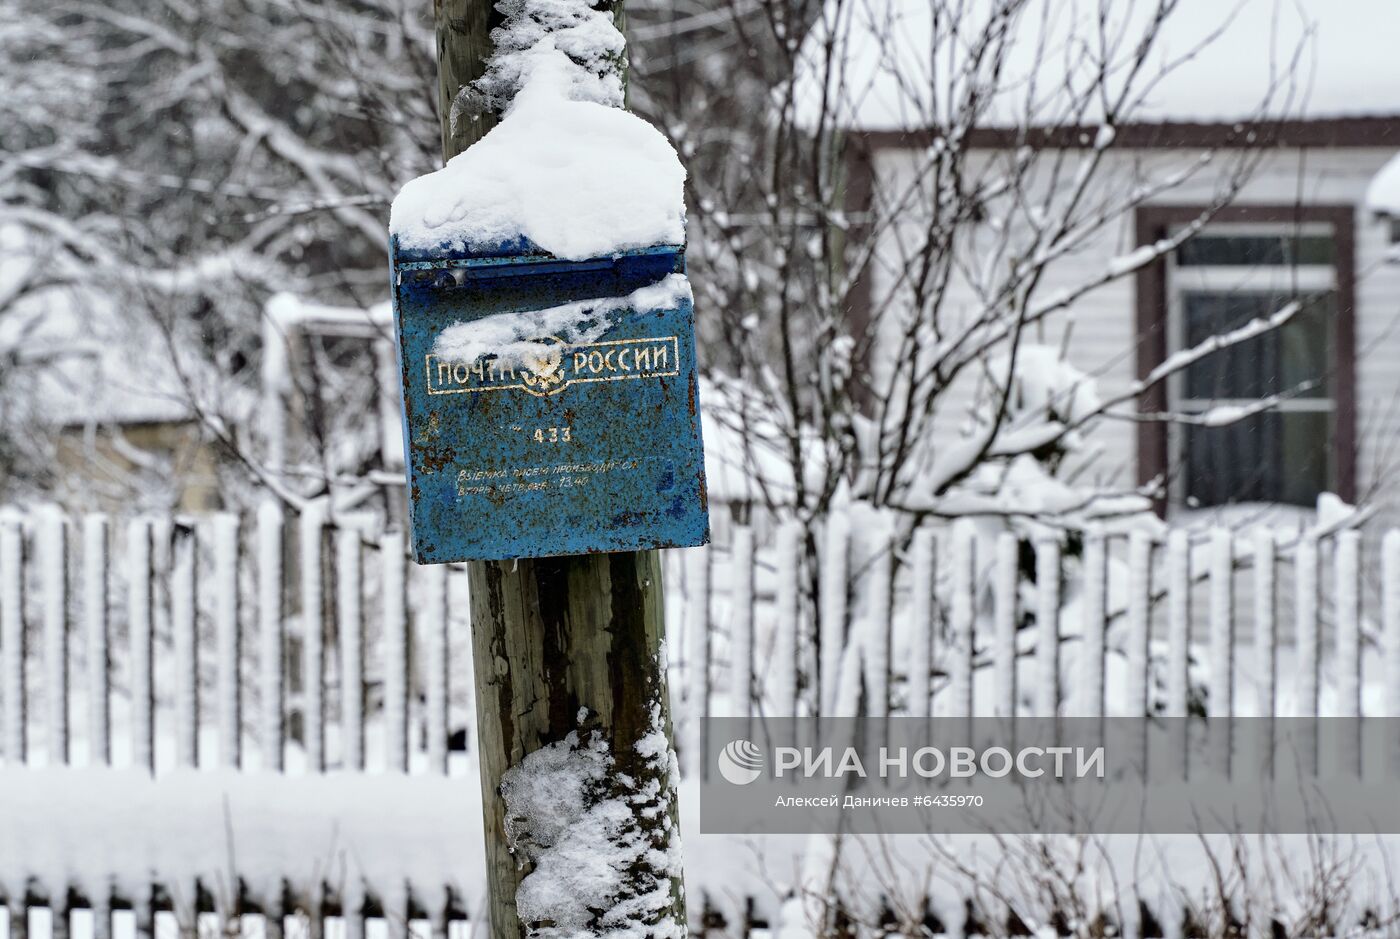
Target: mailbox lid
{"type": "Point", "coordinates": [600, 451]}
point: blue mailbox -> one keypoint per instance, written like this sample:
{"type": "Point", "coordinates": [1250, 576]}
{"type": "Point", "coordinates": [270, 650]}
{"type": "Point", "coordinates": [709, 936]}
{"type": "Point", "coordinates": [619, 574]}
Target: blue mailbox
{"type": "Point", "coordinates": [590, 444]}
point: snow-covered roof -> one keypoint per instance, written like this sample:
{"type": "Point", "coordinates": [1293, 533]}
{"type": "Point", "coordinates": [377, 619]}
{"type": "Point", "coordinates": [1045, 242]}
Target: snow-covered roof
{"type": "Point", "coordinates": [1309, 59]}
{"type": "Point", "coordinates": [85, 357]}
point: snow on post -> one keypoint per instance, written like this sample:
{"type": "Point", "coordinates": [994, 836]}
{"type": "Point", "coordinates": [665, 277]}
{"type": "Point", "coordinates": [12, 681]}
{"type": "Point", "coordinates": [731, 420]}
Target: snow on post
{"type": "Point", "coordinates": [96, 578]}
{"type": "Point", "coordinates": [272, 691]}
{"type": "Point", "coordinates": [1047, 617]}
{"type": "Point", "coordinates": [140, 624]}
{"type": "Point", "coordinates": [1004, 654]}
{"type": "Point", "coordinates": [227, 639]}
{"type": "Point", "coordinates": [741, 670]}
{"type": "Point", "coordinates": [350, 625]}
{"type": "Point", "coordinates": [53, 591]}
{"type": "Point", "coordinates": [923, 582]}
{"type": "Point", "coordinates": [12, 638]}
{"type": "Point", "coordinates": [600, 831]}
{"type": "Point", "coordinates": [185, 635]}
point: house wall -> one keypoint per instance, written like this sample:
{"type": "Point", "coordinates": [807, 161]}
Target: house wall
{"type": "Point", "coordinates": [1103, 341]}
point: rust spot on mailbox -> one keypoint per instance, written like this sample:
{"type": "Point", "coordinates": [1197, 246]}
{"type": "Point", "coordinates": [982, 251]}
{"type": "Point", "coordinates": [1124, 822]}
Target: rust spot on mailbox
{"type": "Point", "coordinates": [589, 449]}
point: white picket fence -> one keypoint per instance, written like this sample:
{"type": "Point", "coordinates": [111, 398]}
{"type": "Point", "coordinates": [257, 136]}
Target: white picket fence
{"type": "Point", "coordinates": [239, 647]}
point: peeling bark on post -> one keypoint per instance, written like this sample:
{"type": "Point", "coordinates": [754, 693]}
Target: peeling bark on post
{"type": "Point", "coordinates": [553, 636]}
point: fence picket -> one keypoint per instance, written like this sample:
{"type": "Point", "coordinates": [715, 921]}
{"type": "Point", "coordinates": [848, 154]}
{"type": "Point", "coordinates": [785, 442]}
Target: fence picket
{"type": "Point", "coordinates": [1265, 622]}
{"type": "Point", "coordinates": [96, 579]}
{"type": "Point", "coordinates": [311, 537]}
{"type": "Point", "coordinates": [1307, 638]}
{"type": "Point", "coordinates": [834, 589]}
{"type": "Point", "coordinates": [741, 671]}
{"type": "Point", "coordinates": [963, 560]}
{"type": "Point", "coordinates": [1179, 640]}
{"type": "Point", "coordinates": [272, 690]}
{"type": "Point", "coordinates": [1307, 634]}
{"type": "Point", "coordinates": [879, 571]}
{"type": "Point", "coordinates": [698, 589]}
{"type": "Point", "coordinates": [784, 696]}
{"type": "Point", "coordinates": [923, 583]}
{"type": "Point", "coordinates": [1139, 622]}
{"type": "Point", "coordinates": [1091, 699]}
{"type": "Point", "coordinates": [228, 639]}
{"type": "Point", "coordinates": [391, 557]}
{"type": "Point", "coordinates": [1347, 563]}
{"type": "Point", "coordinates": [349, 568]}
{"type": "Point", "coordinates": [52, 556]}
{"type": "Point", "coordinates": [13, 647]}
{"type": "Point", "coordinates": [695, 685]}
{"type": "Point", "coordinates": [1221, 690]}
{"type": "Point", "coordinates": [1390, 618]}
{"type": "Point", "coordinates": [185, 636]}
{"type": "Point", "coordinates": [434, 618]}
{"type": "Point", "coordinates": [140, 626]}
{"type": "Point", "coordinates": [1047, 618]}
{"type": "Point", "coordinates": [1005, 581]}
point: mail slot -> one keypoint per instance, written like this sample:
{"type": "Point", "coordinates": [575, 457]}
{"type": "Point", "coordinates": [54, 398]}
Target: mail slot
{"type": "Point", "coordinates": [550, 406]}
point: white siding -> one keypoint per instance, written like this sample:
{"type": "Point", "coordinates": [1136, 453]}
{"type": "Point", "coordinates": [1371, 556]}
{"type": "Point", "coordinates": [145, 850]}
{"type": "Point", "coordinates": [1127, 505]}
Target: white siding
{"type": "Point", "coordinates": [1103, 341]}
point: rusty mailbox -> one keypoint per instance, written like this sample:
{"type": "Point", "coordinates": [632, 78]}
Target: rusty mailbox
{"type": "Point", "coordinates": [586, 444]}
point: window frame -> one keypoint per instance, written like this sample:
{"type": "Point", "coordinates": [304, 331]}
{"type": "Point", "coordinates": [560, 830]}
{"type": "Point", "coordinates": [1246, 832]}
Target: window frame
{"type": "Point", "coordinates": [1157, 299]}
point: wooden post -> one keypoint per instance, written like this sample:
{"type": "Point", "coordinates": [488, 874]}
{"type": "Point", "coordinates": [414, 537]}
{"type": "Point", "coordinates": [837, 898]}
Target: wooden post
{"type": "Point", "coordinates": [553, 636]}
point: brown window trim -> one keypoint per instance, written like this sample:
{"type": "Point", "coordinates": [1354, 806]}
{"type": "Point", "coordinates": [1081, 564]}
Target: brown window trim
{"type": "Point", "coordinates": [1152, 224]}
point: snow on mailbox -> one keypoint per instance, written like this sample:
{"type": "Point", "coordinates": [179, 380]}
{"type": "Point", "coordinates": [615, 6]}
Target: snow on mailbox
{"type": "Point", "coordinates": [546, 339]}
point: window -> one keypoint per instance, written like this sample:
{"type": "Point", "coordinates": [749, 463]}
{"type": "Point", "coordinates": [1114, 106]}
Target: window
{"type": "Point", "coordinates": [1220, 281]}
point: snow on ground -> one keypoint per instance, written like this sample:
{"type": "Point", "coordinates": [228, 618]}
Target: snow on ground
{"type": "Point", "coordinates": [83, 826]}
{"type": "Point", "coordinates": [1222, 60]}
{"type": "Point", "coordinates": [617, 184]}
{"type": "Point", "coordinates": [93, 826]}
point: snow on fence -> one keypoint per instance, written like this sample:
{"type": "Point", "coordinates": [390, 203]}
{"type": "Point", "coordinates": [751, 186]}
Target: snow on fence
{"type": "Point", "coordinates": [273, 716]}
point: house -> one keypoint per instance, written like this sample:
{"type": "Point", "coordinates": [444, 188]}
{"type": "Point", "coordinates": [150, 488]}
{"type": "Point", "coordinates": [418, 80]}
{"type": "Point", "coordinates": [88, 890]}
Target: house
{"type": "Point", "coordinates": [1305, 93]}
{"type": "Point", "coordinates": [91, 400]}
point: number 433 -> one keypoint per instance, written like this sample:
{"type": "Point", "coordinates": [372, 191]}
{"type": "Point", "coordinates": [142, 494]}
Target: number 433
{"type": "Point", "coordinates": [553, 434]}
